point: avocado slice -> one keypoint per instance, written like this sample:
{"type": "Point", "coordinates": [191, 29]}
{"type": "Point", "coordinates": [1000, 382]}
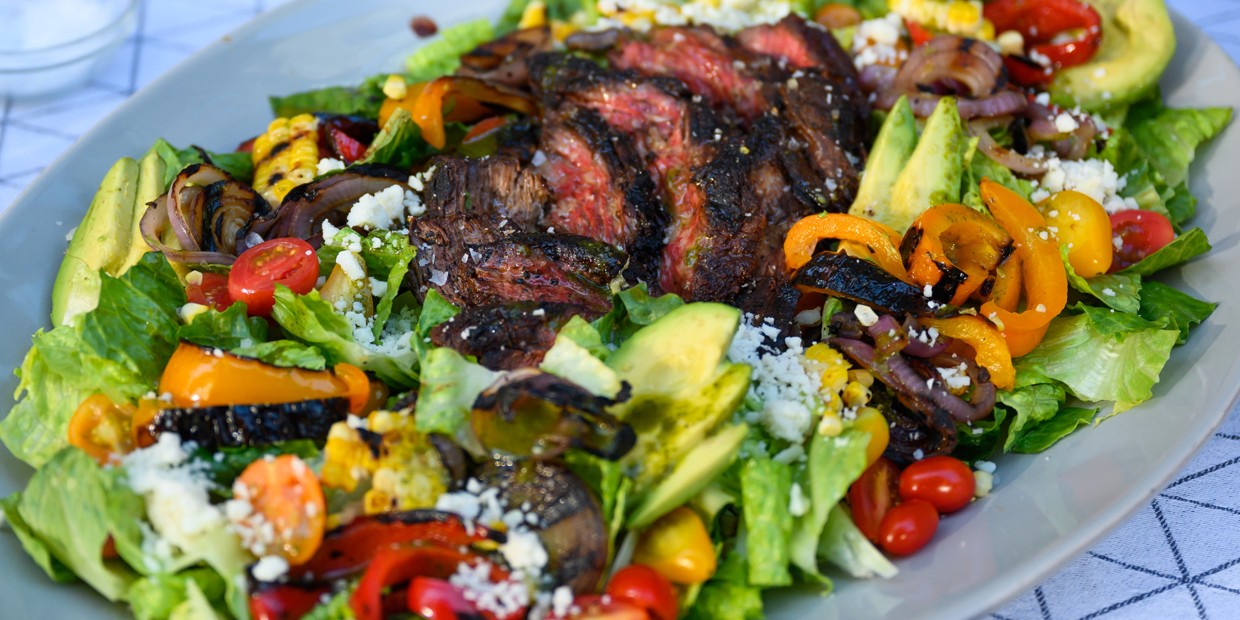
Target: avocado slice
{"type": "Point", "coordinates": [101, 241]}
{"type": "Point", "coordinates": [933, 172]}
{"type": "Point", "coordinates": [1138, 41]}
{"type": "Point", "coordinates": [682, 384]}
{"type": "Point", "coordinates": [892, 149]}
{"type": "Point", "coordinates": [151, 170]}
{"type": "Point", "coordinates": [699, 467]}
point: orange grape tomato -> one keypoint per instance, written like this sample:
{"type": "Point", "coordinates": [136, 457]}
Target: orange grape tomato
{"type": "Point", "coordinates": [285, 494]}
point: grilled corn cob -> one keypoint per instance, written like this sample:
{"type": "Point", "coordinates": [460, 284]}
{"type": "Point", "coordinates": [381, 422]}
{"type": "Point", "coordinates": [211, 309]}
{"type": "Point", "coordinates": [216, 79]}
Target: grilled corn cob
{"type": "Point", "coordinates": [401, 464]}
{"type": "Point", "coordinates": [286, 156]}
{"type": "Point", "coordinates": [959, 17]}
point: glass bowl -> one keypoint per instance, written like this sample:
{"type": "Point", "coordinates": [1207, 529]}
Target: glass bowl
{"type": "Point", "coordinates": [37, 58]}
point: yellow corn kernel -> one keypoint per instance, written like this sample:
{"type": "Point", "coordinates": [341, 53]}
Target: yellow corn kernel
{"type": "Point", "coordinates": [394, 87]}
{"type": "Point", "coordinates": [855, 394]}
{"type": "Point", "coordinates": [406, 474]}
{"type": "Point", "coordinates": [964, 16]}
{"type": "Point", "coordinates": [830, 425]}
{"type": "Point", "coordinates": [534, 15]}
{"type": "Point", "coordinates": [831, 364]}
{"type": "Point", "coordinates": [285, 156]}
{"type": "Point", "coordinates": [862, 376]}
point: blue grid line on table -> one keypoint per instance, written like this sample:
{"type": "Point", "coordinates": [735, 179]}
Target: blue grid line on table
{"type": "Point", "coordinates": [1177, 557]}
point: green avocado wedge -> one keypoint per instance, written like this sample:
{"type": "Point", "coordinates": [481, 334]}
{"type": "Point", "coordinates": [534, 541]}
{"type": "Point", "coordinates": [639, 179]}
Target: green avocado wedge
{"type": "Point", "coordinates": [891, 151]}
{"type": "Point", "coordinates": [931, 176]}
{"type": "Point", "coordinates": [1137, 44]}
{"type": "Point", "coordinates": [101, 241]}
{"type": "Point", "coordinates": [700, 466]}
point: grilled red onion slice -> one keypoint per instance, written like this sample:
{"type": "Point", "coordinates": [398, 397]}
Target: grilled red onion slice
{"type": "Point", "coordinates": [306, 206]}
{"type": "Point", "coordinates": [917, 348]}
{"type": "Point", "coordinates": [914, 391]}
{"type": "Point", "coordinates": [957, 66]}
{"type": "Point", "coordinates": [155, 223]}
{"type": "Point", "coordinates": [206, 211]}
{"type": "Point", "coordinates": [1020, 164]}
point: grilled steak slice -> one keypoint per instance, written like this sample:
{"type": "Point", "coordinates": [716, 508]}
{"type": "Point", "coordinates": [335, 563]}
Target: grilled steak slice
{"type": "Point", "coordinates": [506, 336]}
{"type": "Point", "coordinates": [505, 60]}
{"type": "Point", "coordinates": [797, 44]}
{"type": "Point", "coordinates": [492, 188]}
{"type": "Point", "coordinates": [702, 60]}
{"type": "Point", "coordinates": [600, 187]}
{"type": "Point", "coordinates": [473, 265]}
{"type": "Point", "coordinates": [822, 172]}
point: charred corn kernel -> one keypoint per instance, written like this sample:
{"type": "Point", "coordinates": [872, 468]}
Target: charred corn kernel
{"type": "Point", "coordinates": [855, 394]}
{"type": "Point", "coordinates": [562, 30]}
{"type": "Point", "coordinates": [872, 422]}
{"type": "Point", "coordinates": [534, 15]}
{"type": "Point", "coordinates": [960, 17]}
{"type": "Point", "coordinates": [862, 376]}
{"type": "Point", "coordinates": [394, 87]}
{"type": "Point", "coordinates": [830, 425]}
{"type": "Point", "coordinates": [833, 366]}
{"type": "Point", "coordinates": [285, 156]}
{"type": "Point", "coordinates": [403, 467]}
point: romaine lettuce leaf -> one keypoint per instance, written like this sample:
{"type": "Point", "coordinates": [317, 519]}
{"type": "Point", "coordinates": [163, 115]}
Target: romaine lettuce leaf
{"type": "Point", "coordinates": [118, 349]}
{"type": "Point", "coordinates": [310, 319]}
{"type": "Point", "coordinates": [239, 166]}
{"type": "Point", "coordinates": [443, 55]}
{"type": "Point", "coordinates": [1121, 291]}
{"type": "Point", "coordinates": [364, 100]}
{"type": "Point", "coordinates": [399, 143]}
{"type": "Point", "coordinates": [834, 463]}
{"type": "Point", "coordinates": [233, 331]}
{"type": "Point", "coordinates": [844, 546]}
{"type": "Point", "coordinates": [979, 439]}
{"type": "Point", "coordinates": [159, 596]}
{"type": "Point", "coordinates": [1106, 356]}
{"type": "Point", "coordinates": [1031, 405]}
{"type": "Point", "coordinates": [1036, 438]}
{"type": "Point", "coordinates": [632, 309]}
{"type": "Point", "coordinates": [728, 595]}
{"type": "Point", "coordinates": [1179, 309]}
{"type": "Point", "coordinates": [766, 489]}
{"type": "Point", "coordinates": [1189, 245]}
{"type": "Point", "coordinates": [450, 385]}
{"type": "Point", "coordinates": [1170, 137]}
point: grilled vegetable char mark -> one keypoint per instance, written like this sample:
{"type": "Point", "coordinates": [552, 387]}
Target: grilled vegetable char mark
{"type": "Point", "coordinates": [251, 425]}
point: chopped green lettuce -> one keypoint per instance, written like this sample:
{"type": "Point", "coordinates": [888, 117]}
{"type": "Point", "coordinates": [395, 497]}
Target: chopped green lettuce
{"type": "Point", "coordinates": [399, 143]}
{"type": "Point", "coordinates": [979, 439]}
{"type": "Point", "coordinates": [1043, 435]}
{"type": "Point", "coordinates": [443, 55]}
{"type": "Point", "coordinates": [1100, 355]}
{"type": "Point", "coordinates": [632, 309]}
{"type": "Point", "coordinates": [364, 100]}
{"type": "Point", "coordinates": [834, 463]}
{"type": "Point", "coordinates": [160, 596]}
{"type": "Point", "coordinates": [1030, 405]}
{"type": "Point", "coordinates": [450, 385]}
{"type": "Point", "coordinates": [233, 331]}
{"type": "Point", "coordinates": [1121, 291]}
{"type": "Point", "coordinates": [118, 349]}
{"type": "Point", "coordinates": [845, 547]}
{"type": "Point", "coordinates": [1170, 137]}
{"type": "Point", "coordinates": [309, 319]}
{"type": "Point", "coordinates": [1189, 245]}
{"type": "Point", "coordinates": [766, 489]}
{"type": "Point", "coordinates": [1179, 309]}
{"type": "Point", "coordinates": [728, 595]}
{"type": "Point", "coordinates": [238, 165]}
{"type": "Point", "coordinates": [336, 608]}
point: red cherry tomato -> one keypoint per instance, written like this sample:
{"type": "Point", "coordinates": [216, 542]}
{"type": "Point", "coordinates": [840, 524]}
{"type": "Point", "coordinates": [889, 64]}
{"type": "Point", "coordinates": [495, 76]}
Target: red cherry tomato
{"type": "Point", "coordinates": [436, 599]}
{"type": "Point", "coordinates": [595, 607]}
{"type": "Point", "coordinates": [349, 148]}
{"type": "Point", "coordinates": [253, 280]}
{"type": "Point", "coordinates": [643, 586]}
{"type": "Point", "coordinates": [1141, 233]}
{"type": "Point", "coordinates": [211, 290]}
{"type": "Point", "coordinates": [917, 33]}
{"type": "Point", "coordinates": [872, 495]}
{"type": "Point", "coordinates": [907, 527]}
{"type": "Point", "coordinates": [946, 482]}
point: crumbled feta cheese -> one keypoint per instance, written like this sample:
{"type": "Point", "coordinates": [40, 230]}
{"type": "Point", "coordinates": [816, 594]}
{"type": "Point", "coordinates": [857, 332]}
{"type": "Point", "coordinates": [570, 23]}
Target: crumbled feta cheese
{"type": "Point", "coordinates": [1065, 123]}
{"type": "Point", "coordinates": [877, 41]}
{"type": "Point", "coordinates": [1108, 292]}
{"type": "Point", "coordinates": [985, 466]}
{"type": "Point", "coordinates": [783, 381]}
{"type": "Point", "coordinates": [983, 483]}
{"type": "Point", "coordinates": [918, 454]}
{"type": "Point", "coordinates": [561, 601]}
{"type": "Point", "coordinates": [351, 264]}
{"type": "Point", "coordinates": [378, 288]}
{"type": "Point", "coordinates": [798, 504]}
{"type": "Point", "coordinates": [1095, 178]}
{"type": "Point", "coordinates": [865, 314]}
{"type": "Point", "coordinates": [378, 210]}
{"type": "Point", "coordinates": [270, 568]}
{"type": "Point", "coordinates": [329, 231]}
{"type": "Point", "coordinates": [328, 165]}
{"type": "Point", "coordinates": [176, 493]}
{"type": "Point", "coordinates": [956, 377]}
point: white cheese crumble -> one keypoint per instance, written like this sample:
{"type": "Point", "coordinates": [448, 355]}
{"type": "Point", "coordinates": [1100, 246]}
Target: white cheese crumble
{"type": "Point", "coordinates": [378, 210]}
{"type": "Point", "coordinates": [351, 264]}
{"type": "Point", "coordinates": [798, 504]}
{"type": "Point", "coordinates": [865, 314]}
{"type": "Point", "coordinates": [328, 165]}
{"type": "Point", "coordinates": [784, 382]}
{"type": "Point", "coordinates": [1095, 178]}
{"type": "Point", "coordinates": [270, 568]}
{"type": "Point", "coordinates": [1065, 123]}
{"type": "Point", "coordinates": [876, 42]}
{"type": "Point", "coordinates": [176, 493]}
{"type": "Point", "coordinates": [955, 377]}
{"type": "Point", "coordinates": [983, 483]}
{"type": "Point", "coordinates": [727, 15]}
{"type": "Point", "coordinates": [985, 466]}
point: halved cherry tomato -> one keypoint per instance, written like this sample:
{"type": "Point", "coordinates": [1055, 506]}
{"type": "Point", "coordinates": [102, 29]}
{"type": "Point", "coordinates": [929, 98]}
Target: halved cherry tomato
{"type": "Point", "coordinates": [1141, 233]}
{"type": "Point", "coordinates": [253, 279]}
{"type": "Point", "coordinates": [201, 377]}
{"type": "Point", "coordinates": [643, 586]}
{"type": "Point", "coordinates": [908, 527]}
{"type": "Point", "coordinates": [101, 428]}
{"type": "Point", "coordinates": [349, 148]}
{"type": "Point", "coordinates": [436, 599]}
{"type": "Point", "coordinates": [286, 496]}
{"type": "Point", "coordinates": [209, 289]}
{"type": "Point", "coordinates": [872, 421]}
{"type": "Point", "coordinates": [837, 15]}
{"type": "Point", "coordinates": [873, 495]}
{"type": "Point", "coordinates": [944, 481]}
{"type": "Point", "coordinates": [1081, 224]}
{"type": "Point", "coordinates": [678, 547]}
{"type": "Point", "coordinates": [595, 607]}
{"type": "Point", "coordinates": [285, 602]}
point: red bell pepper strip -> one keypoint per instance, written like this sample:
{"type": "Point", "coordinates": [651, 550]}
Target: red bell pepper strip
{"type": "Point", "coordinates": [1041, 22]}
{"type": "Point", "coordinates": [398, 565]}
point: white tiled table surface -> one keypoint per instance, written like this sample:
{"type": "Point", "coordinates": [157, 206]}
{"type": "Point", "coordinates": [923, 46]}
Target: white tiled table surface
{"type": "Point", "coordinates": [1178, 557]}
